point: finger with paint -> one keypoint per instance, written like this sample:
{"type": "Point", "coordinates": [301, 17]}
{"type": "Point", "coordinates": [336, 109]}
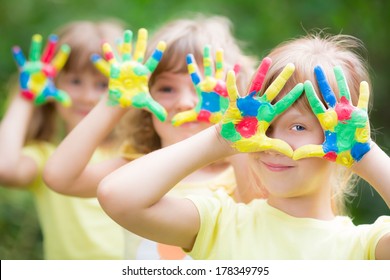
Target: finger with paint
{"type": "Point", "coordinates": [211, 90]}
{"type": "Point", "coordinates": [36, 75]}
{"type": "Point", "coordinates": [128, 75]}
{"type": "Point", "coordinates": [247, 118]}
{"type": "Point", "coordinates": [346, 127]}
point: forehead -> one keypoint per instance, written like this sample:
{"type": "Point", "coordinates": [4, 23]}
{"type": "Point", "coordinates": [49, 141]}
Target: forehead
{"type": "Point", "coordinates": [172, 76]}
{"type": "Point", "coordinates": [296, 114]}
{"type": "Point", "coordinates": [82, 75]}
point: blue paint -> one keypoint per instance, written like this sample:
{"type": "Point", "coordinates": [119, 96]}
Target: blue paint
{"type": "Point", "coordinates": [324, 86]}
{"type": "Point", "coordinates": [24, 78]}
{"type": "Point", "coordinates": [211, 102]}
{"type": "Point", "coordinates": [330, 144]}
{"type": "Point", "coordinates": [359, 150]}
{"type": "Point", "coordinates": [157, 55]}
{"type": "Point", "coordinates": [18, 56]}
{"type": "Point", "coordinates": [248, 105]}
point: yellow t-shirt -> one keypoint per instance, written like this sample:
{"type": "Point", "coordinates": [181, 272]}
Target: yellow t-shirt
{"type": "Point", "coordinates": [73, 228]}
{"type": "Point", "coordinates": [230, 230]}
{"type": "Point", "coordinates": [144, 249]}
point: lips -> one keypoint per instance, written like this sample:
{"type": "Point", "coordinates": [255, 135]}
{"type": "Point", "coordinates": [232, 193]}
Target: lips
{"type": "Point", "coordinates": [276, 167]}
{"type": "Point", "coordinates": [82, 111]}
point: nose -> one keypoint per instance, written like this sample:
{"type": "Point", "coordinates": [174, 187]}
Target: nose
{"type": "Point", "coordinates": [90, 95]}
{"type": "Point", "coordinates": [187, 99]}
{"type": "Point", "coordinates": [270, 132]}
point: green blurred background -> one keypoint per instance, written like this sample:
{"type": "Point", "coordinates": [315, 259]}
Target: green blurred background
{"type": "Point", "coordinates": [261, 24]}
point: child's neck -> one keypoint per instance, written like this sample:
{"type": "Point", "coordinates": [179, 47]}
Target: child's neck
{"type": "Point", "coordinates": [304, 206]}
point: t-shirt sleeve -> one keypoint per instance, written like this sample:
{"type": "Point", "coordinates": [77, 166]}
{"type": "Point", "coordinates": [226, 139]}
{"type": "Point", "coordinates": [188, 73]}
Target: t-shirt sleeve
{"type": "Point", "coordinates": [210, 210]}
{"type": "Point", "coordinates": [377, 230]}
{"type": "Point", "coordinates": [40, 154]}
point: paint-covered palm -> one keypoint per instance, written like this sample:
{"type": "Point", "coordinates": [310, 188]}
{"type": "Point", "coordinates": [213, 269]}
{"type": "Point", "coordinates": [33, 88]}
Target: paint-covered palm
{"type": "Point", "coordinates": [247, 119]}
{"type": "Point", "coordinates": [128, 84]}
{"type": "Point", "coordinates": [37, 74]}
{"type": "Point", "coordinates": [346, 127]}
{"type": "Point", "coordinates": [211, 91]}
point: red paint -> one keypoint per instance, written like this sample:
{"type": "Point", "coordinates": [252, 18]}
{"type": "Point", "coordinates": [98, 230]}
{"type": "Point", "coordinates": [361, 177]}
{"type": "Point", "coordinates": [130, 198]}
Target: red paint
{"type": "Point", "coordinates": [344, 109]}
{"type": "Point", "coordinates": [27, 94]}
{"type": "Point", "coordinates": [49, 51]}
{"type": "Point", "coordinates": [220, 88]}
{"type": "Point", "coordinates": [204, 116]}
{"type": "Point", "coordinates": [330, 156]}
{"type": "Point", "coordinates": [109, 55]}
{"type": "Point", "coordinates": [257, 82]}
{"type": "Point", "coordinates": [247, 127]}
{"type": "Point", "coordinates": [49, 71]}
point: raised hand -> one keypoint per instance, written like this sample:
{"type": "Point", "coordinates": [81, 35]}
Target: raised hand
{"type": "Point", "coordinates": [247, 118]}
{"type": "Point", "coordinates": [128, 84]}
{"type": "Point", "coordinates": [346, 127]}
{"type": "Point", "coordinates": [211, 91]}
{"type": "Point", "coordinates": [37, 75]}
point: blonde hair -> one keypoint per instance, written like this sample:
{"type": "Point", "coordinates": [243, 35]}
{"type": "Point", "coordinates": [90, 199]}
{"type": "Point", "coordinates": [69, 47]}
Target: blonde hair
{"type": "Point", "coordinates": [328, 51]}
{"type": "Point", "coordinates": [184, 36]}
{"type": "Point", "coordinates": [84, 39]}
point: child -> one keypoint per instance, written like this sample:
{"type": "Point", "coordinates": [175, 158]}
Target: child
{"type": "Point", "coordinates": [171, 86]}
{"type": "Point", "coordinates": [183, 37]}
{"type": "Point", "coordinates": [297, 220]}
{"type": "Point", "coordinates": [73, 228]}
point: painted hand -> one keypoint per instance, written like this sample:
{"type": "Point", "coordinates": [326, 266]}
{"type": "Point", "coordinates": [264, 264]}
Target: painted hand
{"type": "Point", "coordinates": [247, 119]}
{"type": "Point", "coordinates": [211, 91]}
{"type": "Point", "coordinates": [128, 84]}
{"type": "Point", "coordinates": [37, 75]}
{"type": "Point", "coordinates": [346, 128]}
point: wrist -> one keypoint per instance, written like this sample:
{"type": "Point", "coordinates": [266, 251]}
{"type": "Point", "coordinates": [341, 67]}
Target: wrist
{"type": "Point", "coordinates": [225, 144]}
{"type": "Point", "coordinates": [360, 165]}
{"type": "Point", "coordinates": [110, 108]}
{"type": "Point", "coordinates": [21, 107]}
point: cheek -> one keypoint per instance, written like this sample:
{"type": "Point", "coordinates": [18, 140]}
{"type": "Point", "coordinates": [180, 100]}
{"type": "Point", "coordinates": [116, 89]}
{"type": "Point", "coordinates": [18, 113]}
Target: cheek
{"type": "Point", "coordinates": [71, 90]}
{"type": "Point", "coordinates": [99, 91]}
{"type": "Point", "coordinates": [312, 139]}
{"type": "Point", "coordinates": [317, 171]}
{"type": "Point", "coordinates": [316, 137]}
{"type": "Point", "coordinates": [96, 96]}
{"type": "Point", "coordinates": [159, 127]}
{"type": "Point", "coordinates": [165, 102]}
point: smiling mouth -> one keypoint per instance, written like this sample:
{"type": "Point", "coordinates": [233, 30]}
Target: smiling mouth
{"type": "Point", "coordinates": [275, 167]}
{"type": "Point", "coordinates": [82, 112]}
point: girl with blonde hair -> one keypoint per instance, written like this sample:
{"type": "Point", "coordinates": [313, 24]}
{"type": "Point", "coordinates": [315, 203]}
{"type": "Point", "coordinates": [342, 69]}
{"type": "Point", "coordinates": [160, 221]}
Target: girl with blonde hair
{"type": "Point", "coordinates": [297, 152]}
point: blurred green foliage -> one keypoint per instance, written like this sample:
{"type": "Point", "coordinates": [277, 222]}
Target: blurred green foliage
{"type": "Point", "coordinates": [260, 24]}
{"type": "Point", "coordinates": [20, 236]}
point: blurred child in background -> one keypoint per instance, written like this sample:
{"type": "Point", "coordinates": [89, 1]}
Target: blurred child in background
{"type": "Point", "coordinates": [72, 228]}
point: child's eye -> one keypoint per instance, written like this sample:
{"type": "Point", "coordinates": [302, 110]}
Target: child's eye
{"type": "Point", "coordinates": [102, 85]}
{"type": "Point", "coordinates": [298, 127]}
{"type": "Point", "coordinates": [165, 89]}
{"type": "Point", "coordinates": [75, 81]}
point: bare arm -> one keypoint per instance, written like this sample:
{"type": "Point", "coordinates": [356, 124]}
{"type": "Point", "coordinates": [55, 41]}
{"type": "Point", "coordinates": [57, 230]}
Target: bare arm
{"type": "Point", "coordinates": [16, 170]}
{"type": "Point", "coordinates": [67, 170]}
{"type": "Point", "coordinates": [134, 195]}
{"type": "Point", "coordinates": [382, 251]}
{"type": "Point", "coordinates": [375, 169]}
